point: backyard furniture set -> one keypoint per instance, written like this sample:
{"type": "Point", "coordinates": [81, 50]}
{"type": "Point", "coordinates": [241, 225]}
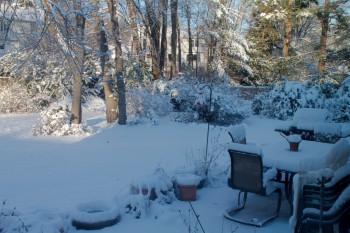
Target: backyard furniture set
{"type": "Point", "coordinates": [313, 204]}
{"type": "Point", "coordinates": [315, 125]}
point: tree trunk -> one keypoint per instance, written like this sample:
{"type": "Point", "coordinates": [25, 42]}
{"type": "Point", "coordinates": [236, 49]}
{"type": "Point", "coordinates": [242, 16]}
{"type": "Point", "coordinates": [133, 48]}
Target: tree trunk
{"type": "Point", "coordinates": [190, 44]}
{"type": "Point", "coordinates": [163, 45]}
{"type": "Point", "coordinates": [287, 36]}
{"type": "Point", "coordinates": [102, 42]}
{"type": "Point", "coordinates": [110, 99]}
{"type": "Point", "coordinates": [179, 44]}
{"type": "Point", "coordinates": [78, 57]}
{"type": "Point", "coordinates": [136, 42]}
{"type": "Point", "coordinates": [323, 39]}
{"type": "Point", "coordinates": [173, 6]}
{"type": "Point", "coordinates": [118, 61]}
{"type": "Point", "coordinates": [153, 25]}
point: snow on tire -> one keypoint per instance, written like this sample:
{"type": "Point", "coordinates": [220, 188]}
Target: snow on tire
{"type": "Point", "coordinates": [95, 215]}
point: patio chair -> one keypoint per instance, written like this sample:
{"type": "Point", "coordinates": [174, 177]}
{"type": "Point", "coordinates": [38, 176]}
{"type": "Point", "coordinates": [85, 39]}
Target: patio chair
{"type": "Point", "coordinates": [311, 200]}
{"type": "Point", "coordinates": [335, 217]}
{"type": "Point", "coordinates": [247, 175]}
{"type": "Point", "coordinates": [332, 190]}
{"type": "Point", "coordinates": [237, 134]}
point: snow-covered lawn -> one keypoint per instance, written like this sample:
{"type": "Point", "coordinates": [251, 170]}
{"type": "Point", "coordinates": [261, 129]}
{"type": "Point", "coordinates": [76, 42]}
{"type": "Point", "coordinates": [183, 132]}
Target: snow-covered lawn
{"type": "Point", "coordinates": [46, 178]}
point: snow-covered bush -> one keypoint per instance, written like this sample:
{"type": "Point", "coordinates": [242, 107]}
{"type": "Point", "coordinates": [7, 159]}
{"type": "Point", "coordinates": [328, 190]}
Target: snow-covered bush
{"type": "Point", "coordinates": [14, 98]}
{"type": "Point", "coordinates": [191, 101]}
{"type": "Point", "coordinates": [156, 188]}
{"type": "Point", "coordinates": [55, 121]}
{"type": "Point", "coordinates": [146, 103]}
{"type": "Point", "coordinates": [10, 221]}
{"type": "Point", "coordinates": [286, 97]}
{"type": "Point", "coordinates": [47, 77]}
{"type": "Point", "coordinates": [339, 105]}
{"type": "Point", "coordinates": [282, 101]}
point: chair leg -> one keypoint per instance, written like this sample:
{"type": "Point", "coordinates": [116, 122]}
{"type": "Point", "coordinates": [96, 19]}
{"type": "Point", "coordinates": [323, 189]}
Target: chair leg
{"type": "Point", "coordinates": [231, 211]}
{"type": "Point", "coordinates": [279, 202]}
{"type": "Point", "coordinates": [244, 199]}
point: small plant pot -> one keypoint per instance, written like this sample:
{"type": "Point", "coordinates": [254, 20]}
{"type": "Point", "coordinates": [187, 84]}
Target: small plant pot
{"type": "Point", "coordinates": [187, 184]}
{"type": "Point", "coordinates": [187, 192]}
{"type": "Point", "coordinates": [134, 190]}
{"type": "Point", "coordinates": [294, 146]}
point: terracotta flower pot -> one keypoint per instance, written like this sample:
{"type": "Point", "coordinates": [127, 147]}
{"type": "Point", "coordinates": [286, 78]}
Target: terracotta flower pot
{"type": "Point", "coordinates": [294, 146]}
{"type": "Point", "coordinates": [134, 190]}
{"type": "Point", "coordinates": [187, 184]}
{"type": "Point", "coordinates": [188, 192]}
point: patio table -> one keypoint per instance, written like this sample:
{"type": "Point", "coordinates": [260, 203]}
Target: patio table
{"type": "Point", "coordinates": [311, 156]}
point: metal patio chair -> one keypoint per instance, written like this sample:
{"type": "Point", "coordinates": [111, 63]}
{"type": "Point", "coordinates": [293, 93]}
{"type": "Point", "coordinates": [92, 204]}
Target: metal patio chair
{"type": "Point", "coordinates": [247, 175]}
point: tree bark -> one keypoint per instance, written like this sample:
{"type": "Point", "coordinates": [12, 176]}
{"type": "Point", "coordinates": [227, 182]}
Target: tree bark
{"type": "Point", "coordinates": [323, 39]}
{"type": "Point", "coordinates": [136, 42]}
{"type": "Point", "coordinates": [179, 44]}
{"type": "Point", "coordinates": [173, 6]}
{"type": "Point", "coordinates": [287, 36]}
{"type": "Point", "coordinates": [154, 30]}
{"type": "Point", "coordinates": [163, 45]}
{"type": "Point", "coordinates": [78, 57]}
{"type": "Point", "coordinates": [118, 61]}
{"type": "Point", "coordinates": [190, 44]}
{"type": "Point", "coordinates": [110, 99]}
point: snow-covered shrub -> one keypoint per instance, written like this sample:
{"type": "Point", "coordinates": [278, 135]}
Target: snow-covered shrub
{"type": "Point", "coordinates": [55, 121]}
{"type": "Point", "coordinates": [10, 221]}
{"type": "Point", "coordinates": [286, 97]}
{"type": "Point", "coordinates": [146, 103]}
{"type": "Point", "coordinates": [47, 76]}
{"type": "Point", "coordinates": [14, 98]}
{"type": "Point", "coordinates": [155, 188]}
{"type": "Point", "coordinates": [137, 72]}
{"type": "Point", "coordinates": [192, 99]}
{"type": "Point", "coordinates": [339, 105]}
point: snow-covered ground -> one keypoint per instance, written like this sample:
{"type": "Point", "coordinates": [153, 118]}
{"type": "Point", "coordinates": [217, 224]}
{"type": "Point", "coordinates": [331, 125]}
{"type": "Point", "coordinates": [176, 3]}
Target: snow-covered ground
{"type": "Point", "coordinates": [46, 178]}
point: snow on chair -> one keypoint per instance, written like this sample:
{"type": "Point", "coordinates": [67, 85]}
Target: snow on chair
{"type": "Point", "coordinates": [247, 175]}
{"type": "Point", "coordinates": [314, 195]}
{"type": "Point", "coordinates": [304, 121]}
{"type": "Point", "coordinates": [327, 217]}
{"type": "Point", "coordinates": [237, 133]}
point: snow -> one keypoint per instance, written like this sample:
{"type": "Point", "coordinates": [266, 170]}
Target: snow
{"type": "Point", "coordinates": [338, 204]}
{"type": "Point", "coordinates": [95, 211]}
{"type": "Point", "coordinates": [333, 129]}
{"type": "Point", "coordinates": [188, 179]}
{"type": "Point", "coordinates": [245, 148]}
{"type": "Point", "coordinates": [47, 177]}
{"type": "Point", "coordinates": [313, 114]}
{"type": "Point", "coordinates": [237, 132]}
{"type": "Point", "coordinates": [324, 174]}
{"type": "Point", "coordinates": [294, 138]}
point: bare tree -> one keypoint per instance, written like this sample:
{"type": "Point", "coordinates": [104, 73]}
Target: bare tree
{"type": "Point", "coordinates": [190, 42]}
{"type": "Point", "coordinates": [78, 57]}
{"type": "Point", "coordinates": [163, 45]}
{"type": "Point", "coordinates": [136, 43]}
{"type": "Point", "coordinates": [118, 60]}
{"type": "Point", "coordinates": [323, 39]}
{"type": "Point", "coordinates": [179, 43]}
{"type": "Point", "coordinates": [154, 33]}
{"type": "Point", "coordinates": [287, 35]}
{"type": "Point", "coordinates": [173, 6]}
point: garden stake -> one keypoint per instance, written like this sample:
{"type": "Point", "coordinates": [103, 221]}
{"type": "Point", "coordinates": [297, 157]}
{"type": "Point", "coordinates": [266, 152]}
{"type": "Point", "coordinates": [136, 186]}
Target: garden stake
{"type": "Point", "coordinates": [211, 91]}
{"type": "Point", "coordinates": [195, 214]}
